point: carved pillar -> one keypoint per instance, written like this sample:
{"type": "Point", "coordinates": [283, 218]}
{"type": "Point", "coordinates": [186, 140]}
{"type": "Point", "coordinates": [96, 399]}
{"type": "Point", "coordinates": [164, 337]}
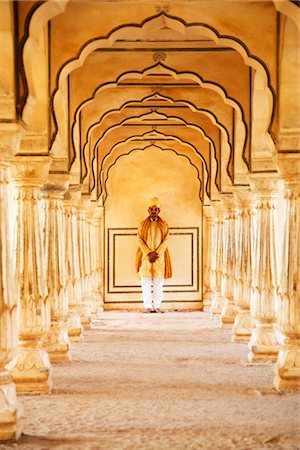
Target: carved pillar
{"type": "Point", "coordinates": [263, 343]}
{"type": "Point", "coordinates": [10, 428]}
{"type": "Point", "coordinates": [90, 258]}
{"type": "Point", "coordinates": [244, 237]}
{"type": "Point", "coordinates": [288, 364]}
{"type": "Point", "coordinates": [229, 309]}
{"type": "Point", "coordinates": [85, 310]}
{"type": "Point", "coordinates": [75, 329]}
{"type": "Point", "coordinates": [96, 256]}
{"type": "Point", "coordinates": [218, 300]}
{"type": "Point", "coordinates": [31, 367]}
{"type": "Point", "coordinates": [56, 341]}
{"type": "Point", "coordinates": [208, 255]}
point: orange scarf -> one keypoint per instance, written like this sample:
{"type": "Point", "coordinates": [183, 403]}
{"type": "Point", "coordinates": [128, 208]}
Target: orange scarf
{"type": "Point", "coordinates": [144, 233]}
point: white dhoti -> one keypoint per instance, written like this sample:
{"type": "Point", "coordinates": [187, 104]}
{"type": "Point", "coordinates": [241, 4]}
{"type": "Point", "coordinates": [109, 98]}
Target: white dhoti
{"type": "Point", "coordinates": [154, 301]}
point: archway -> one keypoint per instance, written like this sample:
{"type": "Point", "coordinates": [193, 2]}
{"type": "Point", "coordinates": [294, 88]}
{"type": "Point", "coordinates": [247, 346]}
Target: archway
{"type": "Point", "coordinates": [132, 180]}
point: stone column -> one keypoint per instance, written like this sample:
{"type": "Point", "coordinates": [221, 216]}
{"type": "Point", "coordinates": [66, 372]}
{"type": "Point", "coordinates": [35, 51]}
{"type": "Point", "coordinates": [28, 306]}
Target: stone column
{"type": "Point", "coordinates": [96, 248]}
{"type": "Point", "coordinates": [56, 341]}
{"type": "Point", "coordinates": [244, 237]}
{"type": "Point", "coordinates": [31, 368]}
{"type": "Point", "coordinates": [90, 259]}
{"type": "Point", "coordinates": [287, 369]}
{"type": "Point", "coordinates": [85, 310]}
{"type": "Point", "coordinates": [208, 256]}
{"type": "Point", "coordinates": [264, 343]}
{"type": "Point", "coordinates": [75, 329]}
{"type": "Point", "coordinates": [229, 309]}
{"type": "Point", "coordinates": [218, 301]}
{"type": "Point", "coordinates": [10, 428]}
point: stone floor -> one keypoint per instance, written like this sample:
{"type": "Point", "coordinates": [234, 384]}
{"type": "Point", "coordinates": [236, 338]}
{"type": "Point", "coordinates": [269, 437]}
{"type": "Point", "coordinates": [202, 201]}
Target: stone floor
{"type": "Point", "coordinates": [160, 381]}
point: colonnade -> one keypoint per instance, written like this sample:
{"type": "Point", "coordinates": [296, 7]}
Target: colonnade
{"type": "Point", "coordinates": [50, 277]}
{"type": "Point", "coordinates": [252, 269]}
{"type": "Point", "coordinates": [51, 272]}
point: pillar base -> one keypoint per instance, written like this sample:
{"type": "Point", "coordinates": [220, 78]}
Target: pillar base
{"type": "Point", "coordinates": [287, 370]}
{"type": "Point", "coordinates": [56, 342]}
{"type": "Point", "coordinates": [228, 314]}
{"type": "Point", "coordinates": [263, 344]}
{"type": "Point", "coordinates": [86, 322]}
{"type": "Point", "coordinates": [217, 305]}
{"type": "Point", "coordinates": [243, 326]}
{"type": "Point", "coordinates": [75, 328]}
{"type": "Point", "coordinates": [207, 299]}
{"type": "Point", "coordinates": [206, 304]}
{"type": "Point", "coordinates": [10, 424]}
{"type": "Point", "coordinates": [31, 369]}
{"type": "Point", "coordinates": [85, 316]}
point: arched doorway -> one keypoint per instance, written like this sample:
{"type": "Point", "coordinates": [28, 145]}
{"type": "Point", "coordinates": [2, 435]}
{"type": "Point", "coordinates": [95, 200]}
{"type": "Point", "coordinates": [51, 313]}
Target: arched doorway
{"type": "Point", "coordinates": [131, 181]}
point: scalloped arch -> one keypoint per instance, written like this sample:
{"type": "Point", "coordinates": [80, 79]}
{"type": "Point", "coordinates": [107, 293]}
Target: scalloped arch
{"type": "Point", "coordinates": [142, 137]}
{"type": "Point", "coordinates": [105, 195]}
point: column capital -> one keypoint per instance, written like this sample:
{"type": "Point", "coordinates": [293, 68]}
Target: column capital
{"type": "Point", "coordinates": [10, 137]}
{"type": "Point", "coordinates": [289, 168]}
{"type": "Point", "coordinates": [29, 170]}
{"type": "Point", "coordinates": [209, 211]}
{"type": "Point", "coordinates": [57, 184]}
{"type": "Point", "coordinates": [245, 197]}
{"type": "Point", "coordinates": [72, 195]}
{"type": "Point", "coordinates": [264, 182]}
{"type": "Point", "coordinates": [98, 212]}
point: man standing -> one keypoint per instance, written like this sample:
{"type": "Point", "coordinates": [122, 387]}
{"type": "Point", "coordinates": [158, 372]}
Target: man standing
{"type": "Point", "coordinates": [153, 263]}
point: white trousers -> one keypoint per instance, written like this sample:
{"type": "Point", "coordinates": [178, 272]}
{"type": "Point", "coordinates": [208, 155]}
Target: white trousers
{"type": "Point", "coordinates": [158, 285]}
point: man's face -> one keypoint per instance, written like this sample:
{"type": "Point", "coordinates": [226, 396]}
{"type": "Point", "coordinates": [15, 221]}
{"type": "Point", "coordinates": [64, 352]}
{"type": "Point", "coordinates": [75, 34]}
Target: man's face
{"type": "Point", "coordinates": [153, 211]}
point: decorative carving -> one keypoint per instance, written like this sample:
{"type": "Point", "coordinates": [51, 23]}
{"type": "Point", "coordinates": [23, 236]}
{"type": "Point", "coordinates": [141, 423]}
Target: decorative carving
{"type": "Point", "coordinates": [31, 369]}
{"type": "Point", "coordinates": [159, 56]}
{"type": "Point", "coordinates": [163, 7]}
{"type": "Point", "coordinates": [56, 341]}
{"type": "Point", "coordinates": [243, 326]}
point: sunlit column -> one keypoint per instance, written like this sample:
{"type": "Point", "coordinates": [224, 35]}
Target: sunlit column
{"type": "Point", "coordinates": [218, 300]}
{"type": "Point", "coordinates": [85, 308]}
{"type": "Point", "coordinates": [264, 343]}
{"type": "Point", "coordinates": [75, 329]}
{"type": "Point", "coordinates": [244, 237]}
{"type": "Point", "coordinates": [208, 255]}
{"type": "Point", "coordinates": [288, 364]}
{"type": "Point", "coordinates": [229, 309]}
{"type": "Point", "coordinates": [96, 250]}
{"type": "Point", "coordinates": [10, 427]}
{"type": "Point", "coordinates": [56, 341]}
{"type": "Point", "coordinates": [90, 258]}
{"type": "Point", "coordinates": [31, 367]}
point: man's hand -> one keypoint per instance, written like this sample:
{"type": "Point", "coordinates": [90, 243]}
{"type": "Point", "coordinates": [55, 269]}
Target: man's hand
{"type": "Point", "coordinates": [152, 256]}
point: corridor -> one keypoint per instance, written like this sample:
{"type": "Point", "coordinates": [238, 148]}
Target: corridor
{"type": "Point", "coordinates": [160, 381]}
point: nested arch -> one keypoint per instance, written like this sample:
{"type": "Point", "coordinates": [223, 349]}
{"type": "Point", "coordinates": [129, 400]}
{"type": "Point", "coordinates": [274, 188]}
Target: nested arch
{"type": "Point", "coordinates": [199, 172]}
{"type": "Point", "coordinates": [154, 137]}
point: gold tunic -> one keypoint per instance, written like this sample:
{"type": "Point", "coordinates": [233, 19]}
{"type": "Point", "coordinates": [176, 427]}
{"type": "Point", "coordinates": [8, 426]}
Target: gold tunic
{"type": "Point", "coordinates": [154, 242]}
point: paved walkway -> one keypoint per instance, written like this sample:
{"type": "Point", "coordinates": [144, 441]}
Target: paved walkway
{"type": "Point", "coordinates": [160, 381]}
